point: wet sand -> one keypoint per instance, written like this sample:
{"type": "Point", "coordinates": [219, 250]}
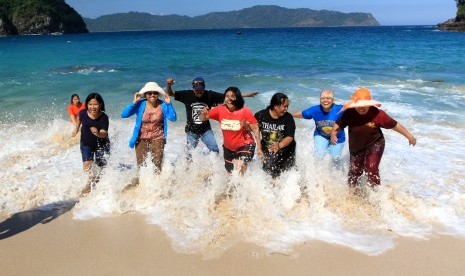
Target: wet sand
{"type": "Point", "coordinates": [52, 243]}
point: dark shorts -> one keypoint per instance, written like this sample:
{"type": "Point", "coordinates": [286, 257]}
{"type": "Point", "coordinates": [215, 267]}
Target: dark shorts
{"type": "Point", "coordinates": [88, 154]}
{"type": "Point", "coordinates": [275, 164]}
{"type": "Point", "coordinates": [245, 153]}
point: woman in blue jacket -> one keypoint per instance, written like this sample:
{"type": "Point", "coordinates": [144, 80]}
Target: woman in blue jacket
{"type": "Point", "coordinates": [149, 135]}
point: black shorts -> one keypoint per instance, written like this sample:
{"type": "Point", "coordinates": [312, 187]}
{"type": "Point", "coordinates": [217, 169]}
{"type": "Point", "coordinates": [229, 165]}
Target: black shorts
{"type": "Point", "coordinates": [275, 164]}
{"type": "Point", "coordinates": [245, 153]}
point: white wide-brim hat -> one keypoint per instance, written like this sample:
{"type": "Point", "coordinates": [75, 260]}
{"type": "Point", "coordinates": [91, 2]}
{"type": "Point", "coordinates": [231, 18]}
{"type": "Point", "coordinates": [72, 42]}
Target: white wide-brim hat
{"type": "Point", "coordinates": [151, 87]}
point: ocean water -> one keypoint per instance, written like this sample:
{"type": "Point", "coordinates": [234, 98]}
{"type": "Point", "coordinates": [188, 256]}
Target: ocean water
{"type": "Point", "coordinates": [416, 72]}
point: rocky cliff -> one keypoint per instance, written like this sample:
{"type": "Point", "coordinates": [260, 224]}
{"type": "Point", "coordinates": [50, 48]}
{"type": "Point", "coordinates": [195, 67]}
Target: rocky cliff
{"type": "Point", "coordinates": [457, 23]}
{"type": "Point", "coordinates": [452, 25]}
{"type": "Point", "coordinates": [34, 17]}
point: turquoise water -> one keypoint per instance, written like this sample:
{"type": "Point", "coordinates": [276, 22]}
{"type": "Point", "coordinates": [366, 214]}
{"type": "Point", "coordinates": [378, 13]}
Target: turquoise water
{"type": "Point", "coordinates": [417, 73]}
{"type": "Point", "coordinates": [297, 61]}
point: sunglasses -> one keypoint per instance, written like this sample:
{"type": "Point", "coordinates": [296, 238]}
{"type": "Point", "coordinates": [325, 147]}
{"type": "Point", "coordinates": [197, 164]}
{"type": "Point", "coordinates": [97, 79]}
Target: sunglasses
{"type": "Point", "coordinates": [195, 83]}
{"type": "Point", "coordinates": [151, 93]}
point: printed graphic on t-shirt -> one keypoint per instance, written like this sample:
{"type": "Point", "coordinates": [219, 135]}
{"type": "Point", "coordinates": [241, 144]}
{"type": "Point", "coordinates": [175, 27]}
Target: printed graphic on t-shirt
{"type": "Point", "coordinates": [272, 132]}
{"type": "Point", "coordinates": [196, 109]}
{"type": "Point", "coordinates": [326, 127]}
{"type": "Point", "coordinates": [275, 136]}
{"type": "Point", "coordinates": [234, 125]}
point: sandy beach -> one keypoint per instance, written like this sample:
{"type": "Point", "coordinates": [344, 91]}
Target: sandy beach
{"type": "Point", "coordinates": [52, 243]}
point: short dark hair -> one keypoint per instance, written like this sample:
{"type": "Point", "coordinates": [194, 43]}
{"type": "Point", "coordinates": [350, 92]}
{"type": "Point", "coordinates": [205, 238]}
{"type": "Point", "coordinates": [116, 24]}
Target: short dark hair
{"type": "Point", "coordinates": [98, 98]}
{"type": "Point", "coordinates": [239, 102]}
{"type": "Point", "coordinates": [277, 99]}
{"type": "Point", "coordinates": [75, 95]}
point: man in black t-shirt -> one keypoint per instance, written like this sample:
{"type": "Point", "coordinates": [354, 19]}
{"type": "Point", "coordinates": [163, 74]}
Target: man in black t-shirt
{"type": "Point", "coordinates": [195, 100]}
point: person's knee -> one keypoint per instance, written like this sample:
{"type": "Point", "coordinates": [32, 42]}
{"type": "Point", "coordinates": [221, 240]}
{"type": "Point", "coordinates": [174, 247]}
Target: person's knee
{"type": "Point", "coordinates": [229, 166]}
{"type": "Point", "coordinates": [210, 142]}
{"type": "Point", "coordinates": [372, 167]}
{"type": "Point", "coordinates": [87, 165]}
{"type": "Point", "coordinates": [320, 153]}
{"type": "Point", "coordinates": [191, 144]}
{"type": "Point", "coordinates": [213, 147]}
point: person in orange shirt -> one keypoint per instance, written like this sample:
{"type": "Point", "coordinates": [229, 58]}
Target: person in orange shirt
{"type": "Point", "coordinates": [74, 107]}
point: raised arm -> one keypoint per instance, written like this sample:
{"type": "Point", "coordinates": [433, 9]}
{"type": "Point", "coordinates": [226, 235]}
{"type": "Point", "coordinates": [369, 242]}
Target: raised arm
{"type": "Point", "coordinates": [169, 83]}
{"type": "Point", "coordinates": [170, 112]}
{"type": "Point", "coordinates": [132, 108]}
{"type": "Point", "coordinates": [401, 129]}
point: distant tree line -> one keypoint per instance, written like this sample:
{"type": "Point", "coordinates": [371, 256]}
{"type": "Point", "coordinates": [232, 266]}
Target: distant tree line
{"type": "Point", "coordinates": [261, 16]}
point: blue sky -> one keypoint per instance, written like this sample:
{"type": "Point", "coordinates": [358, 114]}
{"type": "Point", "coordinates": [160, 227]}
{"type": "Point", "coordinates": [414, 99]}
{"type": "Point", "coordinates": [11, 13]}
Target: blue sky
{"type": "Point", "coordinates": [389, 12]}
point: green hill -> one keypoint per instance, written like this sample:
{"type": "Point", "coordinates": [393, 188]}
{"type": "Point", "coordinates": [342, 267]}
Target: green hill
{"type": "Point", "coordinates": [254, 17]}
{"type": "Point", "coordinates": [39, 17]}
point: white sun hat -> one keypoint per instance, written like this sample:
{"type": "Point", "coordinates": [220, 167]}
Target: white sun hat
{"type": "Point", "coordinates": [151, 87]}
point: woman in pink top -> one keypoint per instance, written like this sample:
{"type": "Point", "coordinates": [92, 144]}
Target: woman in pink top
{"type": "Point", "coordinates": [235, 119]}
{"type": "Point", "coordinates": [150, 130]}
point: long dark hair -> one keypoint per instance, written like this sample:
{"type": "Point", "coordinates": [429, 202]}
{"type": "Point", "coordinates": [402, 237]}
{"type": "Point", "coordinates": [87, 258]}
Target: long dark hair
{"type": "Point", "coordinates": [75, 95]}
{"type": "Point", "coordinates": [98, 98]}
{"type": "Point", "coordinates": [277, 99]}
{"type": "Point", "coordinates": [239, 102]}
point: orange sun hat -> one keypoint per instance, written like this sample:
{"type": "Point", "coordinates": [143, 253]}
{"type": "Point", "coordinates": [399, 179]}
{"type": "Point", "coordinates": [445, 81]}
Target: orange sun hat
{"type": "Point", "coordinates": [360, 98]}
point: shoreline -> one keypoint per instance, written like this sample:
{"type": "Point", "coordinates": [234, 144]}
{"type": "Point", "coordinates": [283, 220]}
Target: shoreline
{"type": "Point", "coordinates": [127, 245]}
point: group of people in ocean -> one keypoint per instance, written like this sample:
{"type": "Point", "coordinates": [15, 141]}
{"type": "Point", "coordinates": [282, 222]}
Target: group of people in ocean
{"type": "Point", "coordinates": [268, 132]}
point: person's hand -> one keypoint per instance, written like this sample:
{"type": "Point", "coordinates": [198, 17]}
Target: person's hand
{"type": "Point", "coordinates": [412, 141]}
{"type": "Point", "coordinates": [274, 148]}
{"type": "Point", "coordinates": [333, 138]}
{"type": "Point", "coordinates": [94, 131]}
{"type": "Point", "coordinates": [137, 97]}
{"type": "Point", "coordinates": [246, 125]}
{"type": "Point", "coordinates": [74, 133]}
{"type": "Point", "coordinates": [170, 81]}
{"type": "Point", "coordinates": [203, 116]}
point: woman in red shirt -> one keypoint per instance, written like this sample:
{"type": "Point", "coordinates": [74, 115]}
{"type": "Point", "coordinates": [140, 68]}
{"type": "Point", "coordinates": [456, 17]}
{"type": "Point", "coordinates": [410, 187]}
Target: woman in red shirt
{"type": "Point", "coordinates": [235, 119]}
{"type": "Point", "coordinates": [74, 107]}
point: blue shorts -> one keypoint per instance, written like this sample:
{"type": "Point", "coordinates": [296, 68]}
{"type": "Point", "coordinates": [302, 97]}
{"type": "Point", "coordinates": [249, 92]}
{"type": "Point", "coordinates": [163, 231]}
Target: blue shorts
{"type": "Point", "coordinates": [88, 154]}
